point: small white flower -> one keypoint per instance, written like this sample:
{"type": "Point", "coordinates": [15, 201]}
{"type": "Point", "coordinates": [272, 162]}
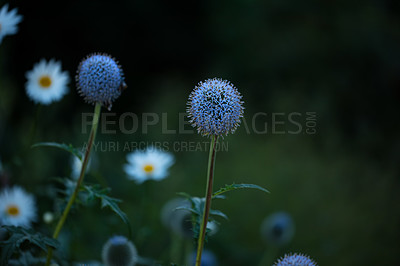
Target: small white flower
{"type": "Point", "coordinates": [149, 164]}
{"type": "Point", "coordinates": [17, 207]}
{"type": "Point", "coordinates": [46, 82]}
{"type": "Point", "coordinates": [8, 21]}
{"type": "Point", "coordinates": [48, 217]}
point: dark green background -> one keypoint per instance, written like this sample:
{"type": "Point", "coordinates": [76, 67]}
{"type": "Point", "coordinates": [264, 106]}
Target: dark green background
{"type": "Point", "coordinates": [340, 59]}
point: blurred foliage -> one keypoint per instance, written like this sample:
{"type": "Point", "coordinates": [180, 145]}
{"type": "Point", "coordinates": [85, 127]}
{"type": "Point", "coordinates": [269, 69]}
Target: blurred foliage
{"type": "Point", "coordinates": [20, 237]}
{"type": "Point", "coordinates": [340, 59]}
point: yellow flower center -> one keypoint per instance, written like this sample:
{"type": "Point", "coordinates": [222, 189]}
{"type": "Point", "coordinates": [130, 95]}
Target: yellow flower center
{"type": "Point", "coordinates": [148, 168]}
{"type": "Point", "coordinates": [45, 82]}
{"type": "Point", "coordinates": [12, 210]}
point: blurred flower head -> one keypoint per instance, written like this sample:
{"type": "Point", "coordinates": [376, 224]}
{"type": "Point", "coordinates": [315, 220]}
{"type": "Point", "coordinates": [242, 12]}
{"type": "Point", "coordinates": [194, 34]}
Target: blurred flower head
{"type": "Point", "coordinates": [100, 79]}
{"type": "Point", "coordinates": [119, 251]}
{"type": "Point", "coordinates": [48, 217]}
{"type": "Point", "coordinates": [207, 259]}
{"type": "Point", "coordinates": [149, 164]}
{"type": "Point", "coordinates": [278, 229]}
{"type": "Point", "coordinates": [17, 207]}
{"type": "Point", "coordinates": [215, 107]}
{"type": "Point", "coordinates": [8, 21]}
{"type": "Point", "coordinates": [46, 82]}
{"type": "Point", "coordinates": [76, 167]}
{"type": "Point", "coordinates": [295, 260]}
{"type": "Point", "coordinates": [179, 221]}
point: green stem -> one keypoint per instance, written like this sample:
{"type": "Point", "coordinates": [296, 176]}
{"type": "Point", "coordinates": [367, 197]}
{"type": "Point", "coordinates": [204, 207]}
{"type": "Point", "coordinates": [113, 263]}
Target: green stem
{"type": "Point", "coordinates": [64, 215]}
{"type": "Point", "coordinates": [269, 256]}
{"type": "Point", "coordinates": [34, 124]}
{"type": "Point", "coordinates": [206, 212]}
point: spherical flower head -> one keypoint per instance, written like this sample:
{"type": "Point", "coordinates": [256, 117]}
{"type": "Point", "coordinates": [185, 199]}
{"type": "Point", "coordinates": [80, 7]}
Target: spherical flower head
{"type": "Point", "coordinates": [100, 79]}
{"type": "Point", "coordinates": [215, 107]}
{"type": "Point", "coordinates": [119, 251]}
{"type": "Point", "coordinates": [17, 207]}
{"type": "Point", "coordinates": [278, 229]}
{"type": "Point", "coordinates": [149, 164]}
{"type": "Point", "coordinates": [295, 260]}
{"type": "Point", "coordinates": [8, 21]}
{"type": "Point", "coordinates": [46, 82]}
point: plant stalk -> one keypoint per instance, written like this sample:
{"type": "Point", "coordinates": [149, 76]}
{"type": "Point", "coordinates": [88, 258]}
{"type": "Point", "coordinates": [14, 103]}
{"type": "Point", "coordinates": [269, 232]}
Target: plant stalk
{"type": "Point", "coordinates": [71, 200]}
{"type": "Point", "coordinates": [209, 189]}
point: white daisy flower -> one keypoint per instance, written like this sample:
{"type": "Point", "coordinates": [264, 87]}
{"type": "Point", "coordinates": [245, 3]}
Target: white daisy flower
{"type": "Point", "coordinates": [17, 207]}
{"type": "Point", "coordinates": [46, 82]}
{"type": "Point", "coordinates": [8, 21]}
{"type": "Point", "coordinates": [149, 164]}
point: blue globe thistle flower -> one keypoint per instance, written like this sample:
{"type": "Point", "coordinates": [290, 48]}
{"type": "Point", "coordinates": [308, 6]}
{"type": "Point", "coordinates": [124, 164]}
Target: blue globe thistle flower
{"type": "Point", "coordinates": [215, 107]}
{"type": "Point", "coordinates": [295, 260]}
{"type": "Point", "coordinates": [100, 79]}
{"type": "Point", "coordinates": [278, 229]}
{"type": "Point", "coordinates": [119, 251]}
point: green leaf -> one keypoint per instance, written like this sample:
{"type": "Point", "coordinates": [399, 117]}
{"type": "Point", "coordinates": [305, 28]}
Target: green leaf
{"type": "Point", "coordinates": [184, 194]}
{"type": "Point", "coordinates": [219, 197]}
{"type": "Point", "coordinates": [194, 211]}
{"type": "Point", "coordinates": [218, 213]}
{"type": "Point", "coordinates": [237, 186]}
{"type": "Point", "coordinates": [197, 209]}
{"type": "Point", "coordinates": [63, 146]}
{"type": "Point", "coordinates": [96, 191]}
{"type": "Point", "coordinates": [20, 235]}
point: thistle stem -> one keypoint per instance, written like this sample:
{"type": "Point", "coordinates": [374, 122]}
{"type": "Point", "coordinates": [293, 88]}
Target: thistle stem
{"type": "Point", "coordinates": [206, 212]}
{"type": "Point", "coordinates": [269, 256]}
{"type": "Point", "coordinates": [71, 200]}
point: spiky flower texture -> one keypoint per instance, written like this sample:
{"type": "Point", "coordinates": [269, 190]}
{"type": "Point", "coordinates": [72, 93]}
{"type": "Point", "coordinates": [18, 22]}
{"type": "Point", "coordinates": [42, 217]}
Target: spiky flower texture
{"type": "Point", "coordinates": [100, 79]}
{"type": "Point", "coordinates": [119, 251]}
{"type": "Point", "coordinates": [215, 107]}
{"type": "Point", "coordinates": [295, 260]}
